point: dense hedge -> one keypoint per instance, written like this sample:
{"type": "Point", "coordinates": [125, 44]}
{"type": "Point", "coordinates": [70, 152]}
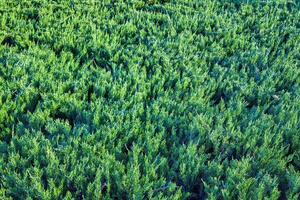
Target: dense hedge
{"type": "Point", "coordinates": [156, 99]}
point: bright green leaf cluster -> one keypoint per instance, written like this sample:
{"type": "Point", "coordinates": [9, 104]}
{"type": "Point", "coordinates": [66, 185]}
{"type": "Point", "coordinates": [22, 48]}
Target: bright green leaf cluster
{"type": "Point", "coordinates": [149, 99]}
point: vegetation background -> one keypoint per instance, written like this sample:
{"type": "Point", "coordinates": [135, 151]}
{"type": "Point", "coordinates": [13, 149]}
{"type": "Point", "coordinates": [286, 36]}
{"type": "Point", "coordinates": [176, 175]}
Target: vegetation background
{"type": "Point", "coordinates": [155, 99]}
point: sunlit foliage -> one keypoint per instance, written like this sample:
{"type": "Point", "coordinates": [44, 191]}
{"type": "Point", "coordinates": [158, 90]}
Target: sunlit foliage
{"type": "Point", "coordinates": [149, 99]}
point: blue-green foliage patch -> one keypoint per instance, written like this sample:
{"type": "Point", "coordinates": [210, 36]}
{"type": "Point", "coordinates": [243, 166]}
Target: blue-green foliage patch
{"type": "Point", "coordinates": [149, 99]}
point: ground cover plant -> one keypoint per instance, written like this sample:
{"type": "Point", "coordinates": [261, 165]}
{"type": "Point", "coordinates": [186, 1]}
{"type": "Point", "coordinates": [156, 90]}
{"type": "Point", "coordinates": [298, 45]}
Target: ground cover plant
{"type": "Point", "coordinates": [156, 99]}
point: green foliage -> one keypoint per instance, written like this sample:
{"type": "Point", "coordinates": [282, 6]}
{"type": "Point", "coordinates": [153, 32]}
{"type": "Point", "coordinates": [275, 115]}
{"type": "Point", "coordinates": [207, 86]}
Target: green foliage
{"type": "Point", "coordinates": [149, 99]}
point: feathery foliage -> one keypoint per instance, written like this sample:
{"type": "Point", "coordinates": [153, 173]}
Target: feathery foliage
{"type": "Point", "coordinates": [149, 99]}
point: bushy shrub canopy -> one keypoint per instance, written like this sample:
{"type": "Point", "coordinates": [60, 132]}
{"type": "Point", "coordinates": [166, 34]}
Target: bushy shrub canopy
{"type": "Point", "coordinates": [149, 99]}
